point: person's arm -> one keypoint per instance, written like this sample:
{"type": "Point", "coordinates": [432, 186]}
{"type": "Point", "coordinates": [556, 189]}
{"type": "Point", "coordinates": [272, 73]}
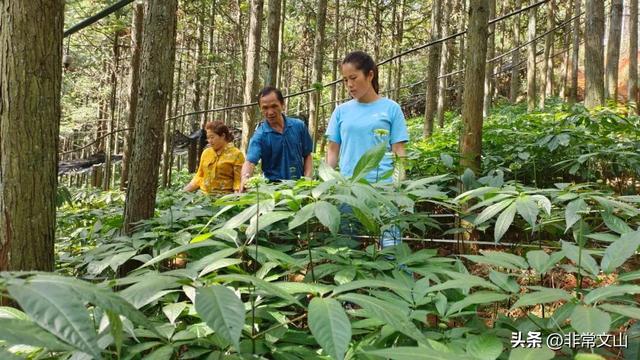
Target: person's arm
{"type": "Point", "coordinates": [400, 154]}
{"type": "Point", "coordinates": [191, 186]}
{"type": "Point", "coordinates": [197, 178]}
{"type": "Point", "coordinates": [237, 171]}
{"type": "Point", "coordinates": [247, 171]}
{"type": "Point", "coordinates": [308, 166]}
{"type": "Point", "coordinates": [333, 152]}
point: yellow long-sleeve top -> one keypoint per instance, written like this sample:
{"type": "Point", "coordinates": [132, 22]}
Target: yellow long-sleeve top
{"type": "Point", "coordinates": [219, 173]}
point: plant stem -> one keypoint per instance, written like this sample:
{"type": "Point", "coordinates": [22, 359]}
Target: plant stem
{"type": "Point", "coordinates": [255, 270]}
{"type": "Point", "coordinates": [313, 275]}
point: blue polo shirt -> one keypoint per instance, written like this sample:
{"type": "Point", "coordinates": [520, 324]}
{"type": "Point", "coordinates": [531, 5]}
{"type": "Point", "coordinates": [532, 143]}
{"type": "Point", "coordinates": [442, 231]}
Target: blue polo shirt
{"type": "Point", "coordinates": [283, 154]}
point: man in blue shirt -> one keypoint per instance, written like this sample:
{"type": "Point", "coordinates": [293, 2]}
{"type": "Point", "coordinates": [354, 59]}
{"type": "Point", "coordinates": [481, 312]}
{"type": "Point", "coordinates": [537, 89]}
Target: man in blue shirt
{"type": "Point", "coordinates": [282, 143]}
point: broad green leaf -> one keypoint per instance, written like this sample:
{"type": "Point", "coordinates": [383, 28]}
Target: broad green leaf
{"type": "Point", "coordinates": [328, 215]}
{"type": "Point", "coordinates": [475, 192]}
{"type": "Point", "coordinates": [388, 313]}
{"type": "Point", "coordinates": [619, 251]}
{"type": "Point", "coordinates": [219, 264]}
{"type": "Point", "coordinates": [586, 356]}
{"type": "Point", "coordinates": [26, 332]}
{"type": "Point", "coordinates": [241, 217]}
{"type": "Point", "coordinates": [303, 288]}
{"type": "Point", "coordinates": [572, 212]}
{"type": "Point", "coordinates": [538, 260]}
{"type": "Point", "coordinates": [586, 319]}
{"type": "Point", "coordinates": [541, 297]}
{"type": "Point", "coordinates": [12, 313]}
{"type": "Point", "coordinates": [265, 220]}
{"type": "Point", "coordinates": [148, 289]}
{"type": "Point", "coordinates": [327, 173]}
{"type": "Point", "coordinates": [603, 293]}
{"type": "Point", "coordinates": [480, 297]}
{"type": "Point", "coordinates": [162, 353]}
{"type": "Point", "coordinates": [543, 202]}
{"type": "Point", "coordinates": [416, 353]}
{"type": "Point", "coordinates": [369, 283]}
{"type": "Point", "coordinates": [584, 260]}
{"type": "Point", "coordinates": [6, 355]}
{"type": "Point", "coordinates": [369, 161]}
{"type": "Point", "coordinates": [491, 261]}
{"type": "Point", "coordinates": [116, 330]}
{"type": "Point", "coordinates": [506, 282]}
{"type": "Point", "coordinates": [606, 237]}
{"type": "Point", "coordinates": [200, 264]}
{"type": "Point", "coordinates": [330, 326]}
{"type": "Point", "coordinates": [616, 224]}
{"type": "Point", "coordinates": [180, 249]}
{"type": "Point", "coordinates": [504, 221]}
{"type": "Point", "coordinates": [492, 210]}
{"type": "Point", "coordinates": [267, 287]}
{"type": "Point", "coordinates": [223, 311]}
{"type": "Point", "coordinates": [463, 284]}
{"type": "Point", "coordinates": [485, 347]}
{"type": "Point", "coordinates": [543, 353]}
{"type": "Point", "coordinates": [630, 276]}
{"type": "Point", "coordinates": [302, 216]}
{"type": "Point", "coordinates": [428, 180]}
{"type": "Point", "coordinates": [625, 310]}
{"type": "Point", "coordinates": [173, 310]}
{"type": "Point", "coordinates": [528, 209]}
{"type": "Point", "coordinates": [63, 315]}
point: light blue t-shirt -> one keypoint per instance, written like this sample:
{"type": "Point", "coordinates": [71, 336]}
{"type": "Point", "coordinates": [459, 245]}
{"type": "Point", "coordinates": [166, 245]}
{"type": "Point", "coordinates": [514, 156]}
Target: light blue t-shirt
{"type": "Point", "coordinates": [352, 126]}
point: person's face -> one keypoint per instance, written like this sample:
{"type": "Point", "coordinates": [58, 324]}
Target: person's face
{"type": "Point", "coordinates": [271, 107]}
{"type": "Point", "coordinates": [357, 82]}
{"type": "Point", "coordinates": [216, 141]}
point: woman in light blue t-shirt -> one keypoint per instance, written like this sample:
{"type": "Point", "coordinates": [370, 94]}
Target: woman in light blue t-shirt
{"type": "Point", "coordinates": [354, 126]}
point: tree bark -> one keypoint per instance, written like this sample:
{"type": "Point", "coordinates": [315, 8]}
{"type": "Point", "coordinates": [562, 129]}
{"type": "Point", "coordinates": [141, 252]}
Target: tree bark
{"type": "Point", "coordinates": [318, 59]}
{"type": "Point", "coordinates": [444, 62]}
{"type": "Point", "coordinates": [210, 48]}
{"type": "Point", "coordinates": [433, 66]}
{"type": "Point", "coordinates": [531, 61]}
{"type": "Point", "coordinates": [462, 9]}
{"type": "Point", "coordinates": [594, 67]}
{"type": "Point", "coordinates": [489, 81]}
{"type": "Point", "coordinates": [30, 83]}
{"type": "Point", "coordinates": [157, 60]}
{"type": "Point", "coordinates": [566, 40]}
{"type": "Point", "coordinates": [136, 43]}
{"type": "Point", "coordinates": [476, 56]}
{"type": "Point", "coordinates": [547, 65]}
{"type": "Point", "coordinates": [397, 45]}
{"type": "Point", "coordinates": [613, 50]}
{"type": "Point", "coordinates": [632, 85]}
{"type": "Point", "coordinates": [111, 137]}
{"type": "Point", "coordinates": [573, 89]}
{"type": "Point", "coordinates": [515, 59]}
{"type": "Point", "coordinates": [273, 34]}
{"type": "Point", "coordinates": [249, 116]}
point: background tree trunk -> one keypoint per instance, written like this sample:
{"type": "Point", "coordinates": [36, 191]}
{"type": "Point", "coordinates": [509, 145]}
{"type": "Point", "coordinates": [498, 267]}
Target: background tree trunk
{"type": "Point", "coordinates": [632, 85]}
{"type": "Point", "coordinates": [547, 64]}
{"type": "Point", "coordinates": [594, 67]}
{"type": "Point", "coordinates": [30, 83]}
{"type": "Point", "coordinates": [476, 56]}
{"type": "Point", "coordinates": [273, 34]}
{"type": "Point", "coordinates": [431, 80]}
{"type": "Point", "coordinates": [444, 61]}
{"type": "Point", "coordinates": [613, 50]}
{"type": "Point", "coordinates": [136, 43]}
{"type": "Point", "coordinates": [397, 46]}
{"type": "Point", "coordinates": [111, 137]}
{"type": "Point", "coordinates": [575, 51]}
{"type": "Point", "coordinates": [318, 59]}
{"type": "Point", "coordinates": [531, 61]}
{"type": "Point", "coordinates": [489, 81]}
{"type": "Point", "coordinates": [515, 59]}
{"type": "Point", "coordinates": [157, 59]}
{"type": "Point", "coordinates": [252, 66]}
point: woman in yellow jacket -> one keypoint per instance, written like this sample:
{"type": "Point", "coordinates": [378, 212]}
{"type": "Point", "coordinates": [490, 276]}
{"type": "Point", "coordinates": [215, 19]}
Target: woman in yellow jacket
{"type": "Point", "coordinates": [220, 163]}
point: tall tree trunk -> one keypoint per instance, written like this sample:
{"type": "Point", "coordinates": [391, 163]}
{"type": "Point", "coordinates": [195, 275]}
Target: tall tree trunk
{"type": "Point", "coordinates": [613, 50]}
{"type": "Point", "coordinates": [273, 34]}
{"type": "Point", "coordinates": [547, 65]}
{"type": "Point", "coordinates": [531, 61]}
{"type": "Point", "coordinates": [30, 82]}
{"type": "Point", "coordinates": [106, 180]}
{"type": "Point", "coordinates": [594, 67]}
{"type": "Point", "coordinates": [210, 48]}
{"type": "Point", "coordinates": [334, 65]}
{"type": "Point", "coordinates": [249, 116]}
{"type": "Point", "coordinates": [573, 89]}
{"type": "Point", "coordinates": [377, 37]}
{"type": "Point", "coordinates": [281, 44]}
{"type": "Point", "coordinates": [515, 59]}
{"type": "Point", "coordinates": [136, 44]}
{"type": "Point", "coordinates": [632, 85]}
{"type": "Point", "coordinates": [476, 55]}
{"type": "Point", "coordinates": [397, 45]}
{"type": "Point", "coordinates": [195, 120]}
{"type": "Point", "coordinates": [318, 59]}
{"type": "Point", "coordinates": [462, 9]}
{"type": "Point", "coordinates": [444, 61]}
{"type": "Point", "coordinates": [157, 60]}
{"type": "Point", "coordinates": [489, 81]}
{"type": "Point", "coordinates": [566, 40]}
{"type": "Point", "coordinates": [433, 66]}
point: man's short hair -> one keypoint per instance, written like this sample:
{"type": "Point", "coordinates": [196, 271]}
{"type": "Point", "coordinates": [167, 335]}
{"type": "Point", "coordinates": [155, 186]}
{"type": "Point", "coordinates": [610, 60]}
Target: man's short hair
{"type": "Point", "coordinates": [268, 90]}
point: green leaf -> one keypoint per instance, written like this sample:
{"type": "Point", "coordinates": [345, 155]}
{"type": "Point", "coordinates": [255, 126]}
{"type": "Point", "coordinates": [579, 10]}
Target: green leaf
{"type": "Point", "coordinates": [162, 353]}
{"type": "Point", "coordinates": [63, 315]}
{"type": "Point", "coordinates": [447, 160]}
{"type": "Point", "coordinates": [302, 216]}
{"type": "Point", "coordinates": [369, 283]}
{"type": "Point", "coordinates": [619, 251]}
{"type": "Point", "coordinates": [26, 332]}
{"type": "Point", "coordinates": [173, 310]}
{"type": "Point", "coordinates": [415, 353]}
{"type": "Point", "coordinates": [538, 260]}
{"type": "Point", "coordinates": [632, 312]}
{"type": "Point", "coordinates": [542, 297]}
{"type": "Point", "coordinates": [480, 297]}
{"type": "Point", "coordinates": [505, 281]}
{"type": "Point", "coordinates": [202, 263]}
{"type": "Point", "coordinates": [148, 289]}
{"type": "Point", "coordinates": [585, 356]}
{"type": "Point", "coordinates": [491, 211]}
{"type": "Point", "coordinates": [388, 313]}
{"type": "Point", "coordinates": [572, 212]}
{"type": "Point", "coordinates": [328, 215]}
{"type": "Point", "coordinates": [265, 220]}
{"type": "Point", "coordinates": [241, 217]}
{"type": "Point", "coordinates": [603, 293]}
{"type": "Point", "coordinates": [585, 260]}
{"type": "Point", "coordinates": [180, 249]}
{"type": "Point", "coordinates": [369, 161]}
{"type": "Point", "coordinates": [327, 174]}
{"type": "Point", "coordinates": [485, 347]}
{"type": "Point", "coordinates": [219, 264]}
{"type": "Point", "coordinates": [330, 326]}
{"type": "Point", "coordinates": [504, 221]}
{"type": "Point", "coordinates": [223, 311]}
{"type": "Point", "coordinates": [586, 319]}
{"type": "Point", "coordinates": [502, 256]}
{"type": "Point", "coordinates": [528, 209]}
{"type": "Point", "coordinates": [463, 284]}
{"type": "Point", "coordinates": [616, 224]}
{"type": "Point", "coordinates": [116, 329]}
{"type": "Point", "coordinates": [269, 288]}
{"type": "Point", "coordinates": [543, 353]}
